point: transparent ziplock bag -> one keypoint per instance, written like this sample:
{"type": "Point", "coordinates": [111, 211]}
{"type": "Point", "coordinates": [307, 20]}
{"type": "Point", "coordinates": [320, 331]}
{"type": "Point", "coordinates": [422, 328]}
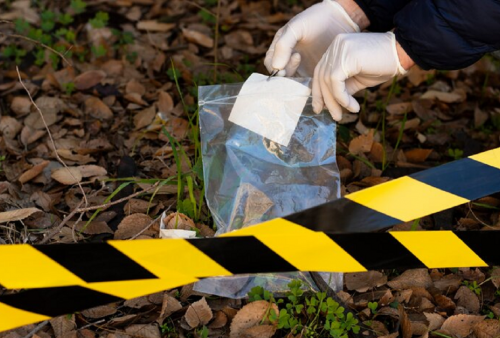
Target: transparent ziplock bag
{"type": "Point", "coordinates": [250, 178]}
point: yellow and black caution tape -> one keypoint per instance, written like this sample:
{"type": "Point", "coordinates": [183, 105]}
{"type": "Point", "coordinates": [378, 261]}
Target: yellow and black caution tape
{"type": "Point", "coordinates": [66, 278]}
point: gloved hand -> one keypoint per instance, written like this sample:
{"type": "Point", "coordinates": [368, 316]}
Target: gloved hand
{"type": "Point", "coordinates": [351, 63]}
{"type": "Point", "coordinates": [305, 38]}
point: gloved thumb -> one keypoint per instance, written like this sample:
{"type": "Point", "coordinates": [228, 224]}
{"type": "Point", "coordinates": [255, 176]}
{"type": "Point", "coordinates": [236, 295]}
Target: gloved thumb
{"type": "Point", "coordinates": [284, 48]}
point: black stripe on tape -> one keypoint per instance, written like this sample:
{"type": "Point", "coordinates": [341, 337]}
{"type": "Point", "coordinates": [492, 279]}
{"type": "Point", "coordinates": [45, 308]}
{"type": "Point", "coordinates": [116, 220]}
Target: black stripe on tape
{"type": "Point", "coordinates": [461, 178]}
{"type": "Point", "coordinates": [96, 262]}
{"type": "Point", "coordinates": [242, 255]}
{"type": "Point", "coordinates": [486, 244]}
{"type": "Point", "coordinates": [342, 215]}
{"type": "Point", "coordinates": [58, 301]}
{"type": "Point", "coordinates": [377, 251]}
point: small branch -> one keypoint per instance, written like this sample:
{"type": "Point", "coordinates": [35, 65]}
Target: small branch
{"type": "Point", "coordinates": [37, 43]}
{"type": "Point", "coordinates": [36, 329]}
{"type": "Point", "coordinates": [62, 224]}
{"type": "Point", "coordinates": [107, 205]}
{"type": "Point", "coordinates": [50, 136]}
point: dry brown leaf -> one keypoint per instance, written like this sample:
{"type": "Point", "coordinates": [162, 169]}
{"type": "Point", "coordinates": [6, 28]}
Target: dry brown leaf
{"type": "Point", "coordinates": [134, 206]}
{"type": "Point", "coordinates": [10, 127]}
{"type": "Point", "coordinates": [93, 228]}
{"type": "Point", "coordinates": [449, 283]}
{"type": "Point", "coordinates": [92, 170]}
{"type": "Point", "coordinates": [177, 220]}
{"type": "Point", "coordinates": [445, 303]}
{"type": "Point", "coordinates": [411, 278]}
{"type": "Point", "coordinates": [405, 323]}
{"type": "Point", "coordinates": [399, 108]}
{"type": "Point", "coordinates": [489, 328]}
{"type": "Point", "coordinates": [33, 172]}
{"type": "Point", "coordinates": [132, 225]}
{"type": "Point", "coordinates": [138, 302]}
{"type": "Point", "coordinates": [442, 96]}
{"type": "Point", "coordinates": [251, 315]}
{"type": "Point", "coordinates": [495, 276]}
{"type": "Point", "coordinates": [145, 117]}
{"type": "Point", "coordinates": [134, 86]}
{"type": "Point", "coordinates": [143, 331]}
{"type": "Point", "coordinates": [220, 320]}
{"type": "Point", "coordinates": [169, 306]}
{"type": "Point", "coordinates": [97, 109]}
{"type": "Point", "coordinates": [461, 325]}
{"type": "Point", "coordinates": [155, 26]}
{"type": "Point", "coordinates": [135, 98]}
{"type": "Point", "coordinates": [17, 215]}
{"type": "Point", "coordinates": [198, 313]}
{"type": "Point", "coordinates": [165, 102]}
{"type": "Point", "coordinates": [435, 320]}
{"type": "Point", "coordinates": [89, 79]}
{"type": "Point", "coordinates": [468, 299]}
{"type": "Point", "coordinates": [34, 120]}
{"type": "Point", "coordinates": [417, 155]}
{"type": "Point", "coordinates": [30, 135]}
{"type": "Point", "coordinates": [21, 105]}
{"type": "Point", "coordinates": [62, 325]}
{"type": "Point", "coordinates": [261, 331]}
{"type": "Point", "coordinates": [416, 75]}
{"type": "Point", "coordinates": [78, 158]}
{"type": "Point", "coordinates": [361, 144]}
{"type": "Point", "coordinates": [480, 117]}
{"type": "Point", "coordinates": [363, 281]}
{"type": "Point", "coordinates": [198, 38]}
{"type": "Point", "coordinates": [100, 311]}
{"type": "Point", "coordinates": [67, 176]}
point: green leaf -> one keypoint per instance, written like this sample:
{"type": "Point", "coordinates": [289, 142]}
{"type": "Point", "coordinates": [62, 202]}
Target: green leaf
{"type": "Point", "coordinates": [65, 19]}
{"type": "Point", "coordinates": [21, 26]}
{"type": "Point", "coordinates": [78, 6]}
{"type": "Point", "coordinates": [100, 20]}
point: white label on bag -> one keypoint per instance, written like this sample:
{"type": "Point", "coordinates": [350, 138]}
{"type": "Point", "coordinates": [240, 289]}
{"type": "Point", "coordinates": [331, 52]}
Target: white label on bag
{"type": "Point", "coordinates": [270, 108]}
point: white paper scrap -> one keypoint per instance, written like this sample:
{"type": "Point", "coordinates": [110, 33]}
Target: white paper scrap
{"type": "Point", "coordinates": [270, 108]}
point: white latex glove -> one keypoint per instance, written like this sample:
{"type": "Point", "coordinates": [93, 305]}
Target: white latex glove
{"type": "Point", "coordinates": [305, 38]}
{"type": "Point", "coordinates": [353, 62]}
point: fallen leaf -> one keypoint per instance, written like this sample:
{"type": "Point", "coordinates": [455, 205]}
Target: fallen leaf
{"type": "Point", "coordinates": [480, 117]}
{"type": "Point", "coordinates": [435, 320]}
{"type": "Point", "coordinates": [133, 86]}
{"type": "Point", "coordinates": [62, 325]}
{"type": "Point", "coordinates": [468, 299]}
{"type": "Point", "coordinates": [449, 283]}
{"type": "Point", "coordinates": [92, 170]}
{"type": "Point", "coordinates": [363, 281]}
{"type": "Point", "coordinates": [67, 176]}
{"type": "Point", "coordinates": [155, 26]}
{"type": "Point", "coordinates": [198, 313]}
{"type": "Point", "coordinates": [134, 206]}
{"type": "Point", "coordinates": [67, 154]}
{"type": "Point", "coordinates": [10, 127]}
{"type": "Point", "coordinates": [361, 144]}
{"type": "Point", "coordinates": [461, 325]}
{"type": "Point", "coordinates": [145, 117]}
{"type": "Point", "coordinates": [35, 121]}
{"type": "Point", "coordinates": [489, 328]}
{"type": "Point", "coordinates": [442, 96]}
{"type": "Point", "coordinates": [132, 225]}
{"type": "Point", "coordinates": [198, 38]}
{"type": "Point", "coordinates": [177, 127]}
{"type": "Point", "coordinates": [417, 75]}
{"type": "Point", "coordinates": [32, 172]}
{"type": "Point", "coordinates": [220, 320]}
{"type": "Point", "coordinates": [399, 108]}
{"type": "Point", "coordinates": [405, 323]}
{"type": "Point", "coordinates": [21, 105]}
{"type": "Point", "coordinates": [177, 220]}
{"type": "Point", "coordinates": [411, 278]}
{"type": "Point", "coordinates": [30, 135]}
{"type": "Point", "coordinates": [169, 305]}
{"type": "Point", "coordinates": [17, 215]}
{"type": "Point", "coordinates": [495, 276]}
{"type": "Point", "coordinates": [165, 102]}
{"type": "Point", "coordinates": [143, 331]}
{"type": "Point", "coordinates": [138, 302]}
{"type": "Point", "coordinates": [89, 79]}
{"type": "Point", "coordinates": [100, 311]}
{"type": "Point", "coordinates": [445, 303]}
{"type": "Point", "coordinates": [97, 109]}
{"type": "Point", "coordinates": [93, 228]}
{"type": "Point", "coordinates": [417, 155]}
{"type": "Point", "coordinates": [251, 315]}
{"type": "Point", "coordinates": [261, 331]}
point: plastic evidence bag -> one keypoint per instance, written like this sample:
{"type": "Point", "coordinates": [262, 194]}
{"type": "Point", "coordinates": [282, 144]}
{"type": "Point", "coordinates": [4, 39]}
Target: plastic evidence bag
{"type": "Point", "coordinates": [266, 154]}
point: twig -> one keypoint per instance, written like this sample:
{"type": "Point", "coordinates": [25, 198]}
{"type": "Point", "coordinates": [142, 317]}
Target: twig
{"type": "Point", "coordinates": [103, 206]}
{"type": "Point", "coordinates": [50, 136]}
{"type": "Point", "coordinates": [62, 224]}
{"type": "Point", "coordinates": [38, 43]}
{"type": "Point", "coordinates": [36, 329]}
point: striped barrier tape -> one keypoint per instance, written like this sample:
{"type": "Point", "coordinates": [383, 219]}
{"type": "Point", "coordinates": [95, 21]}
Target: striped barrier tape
{"type": "Point", "coordinates": [67, 278]}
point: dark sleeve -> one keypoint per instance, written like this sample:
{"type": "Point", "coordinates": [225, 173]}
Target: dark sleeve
{"type": "Point", "coordinates": [381, 13]}
{"type": "Point", "coordinates": [448, 34]}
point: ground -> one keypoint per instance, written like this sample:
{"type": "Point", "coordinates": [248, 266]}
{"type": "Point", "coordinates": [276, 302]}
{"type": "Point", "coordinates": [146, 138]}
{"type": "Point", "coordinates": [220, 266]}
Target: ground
{"type": "Point", "coordinates": [116, 84]}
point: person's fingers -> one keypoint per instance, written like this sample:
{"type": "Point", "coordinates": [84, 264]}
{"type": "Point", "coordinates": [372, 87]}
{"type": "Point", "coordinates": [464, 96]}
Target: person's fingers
{"type": "Point", "coordinates": [340, 94]}
{"type": "Point", "coordinates": [353, 86]}
{"type": "Point", "coordinates": [268, 61]}
{"type": "Point", "coordinates": [326, 91]}
{"type": "Point", "coordinates": [284, 48]}
{"type": "Point", "coordinates": [294, 63]}
{"type": "Point", "coordinates": [317, 98]}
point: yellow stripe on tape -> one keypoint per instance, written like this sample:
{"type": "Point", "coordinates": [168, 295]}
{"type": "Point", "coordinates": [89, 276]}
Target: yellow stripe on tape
{"type": "Point", "coordinates": [491, 157]}
{"type": "Point", "coordinates": [301, 247]}
{"type": "Point", "coordinates": [438, 249]}
{"type": "Point", "coordinates": [10, 317]}
{"type": "Point", "coordinates": [406, 199]}
{"type": "Point", "coordinates": [22, 266]}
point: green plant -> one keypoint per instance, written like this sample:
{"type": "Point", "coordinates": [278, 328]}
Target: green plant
{"type": "Point", "coordinates": [2, 159]}
{"type": "Point", "coordinates": [100, 20]}
{"type": "Point", "coordinates": [168, 328]}
{"type": "Point", "coordinates": [78, 6]}
{"type": "Point", "coordinates": [68, 88]}
{"type": "Point", "coordinates": [373, 307]}
{"type": "Point", "coordinates": [473, 286]}
{"type": "Point", "coordinates": [310, 316]}
{"type": "Point", "coordinates": [11, 51]}
{"type": "Point", "coordinates": [456, 154]}
{"type": "Point", "coordinates": [202, 332]}
{"type": "Point", "coordinates": [99, 51]}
